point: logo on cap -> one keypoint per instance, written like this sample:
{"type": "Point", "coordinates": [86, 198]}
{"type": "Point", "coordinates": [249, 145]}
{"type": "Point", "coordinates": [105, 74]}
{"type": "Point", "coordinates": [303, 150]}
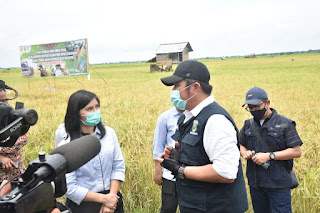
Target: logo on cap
{"type": "Point", "coordinates": [249, 95]}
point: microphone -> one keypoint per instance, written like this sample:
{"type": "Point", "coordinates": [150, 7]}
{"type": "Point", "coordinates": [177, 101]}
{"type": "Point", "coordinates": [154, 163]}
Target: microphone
{"type": "Point", "coordinates": [78, 152]}
{"type": "Point", "coordinates": [45, 180]}
{"type": "Point", "coordinates": [65, 158]}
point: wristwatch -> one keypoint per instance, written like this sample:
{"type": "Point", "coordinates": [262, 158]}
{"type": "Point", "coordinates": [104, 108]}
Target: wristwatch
{"type": "Point", "coordinates": [181, 172]}
{"type": "Point", "coordinates": [272, 156]}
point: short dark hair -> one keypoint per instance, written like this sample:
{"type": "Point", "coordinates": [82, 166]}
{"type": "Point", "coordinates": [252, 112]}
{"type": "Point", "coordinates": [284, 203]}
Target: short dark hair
{"type": "Point", "coordinates": [207, 88]}
{"type": "Point", "coordinates": [78, 101]}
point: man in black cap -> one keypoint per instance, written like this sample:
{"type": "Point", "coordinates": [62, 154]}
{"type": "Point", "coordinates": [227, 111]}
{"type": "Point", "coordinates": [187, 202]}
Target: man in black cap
{"type": "Point", "coordinates": [270, 155]}
{"type": "Point", "coordinates": [206, 160]}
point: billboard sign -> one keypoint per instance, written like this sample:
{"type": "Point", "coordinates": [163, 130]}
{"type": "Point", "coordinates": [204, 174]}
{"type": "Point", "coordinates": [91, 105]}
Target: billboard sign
{"type": "Point", "coordinates": [68, 58]}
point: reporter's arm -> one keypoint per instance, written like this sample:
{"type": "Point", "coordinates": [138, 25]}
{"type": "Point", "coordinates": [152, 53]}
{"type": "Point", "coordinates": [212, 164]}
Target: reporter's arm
{"type": "Point", "coordinates": [100, 198]}
{"type": "Point", "coordinates": [75, 192]}
{"type": "Point", "coordinates": [114, 186]}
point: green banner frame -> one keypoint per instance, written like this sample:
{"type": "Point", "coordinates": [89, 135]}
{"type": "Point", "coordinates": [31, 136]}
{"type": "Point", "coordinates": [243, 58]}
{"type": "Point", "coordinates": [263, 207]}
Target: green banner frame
{"type": "Point", "coordinates": [67, 58]}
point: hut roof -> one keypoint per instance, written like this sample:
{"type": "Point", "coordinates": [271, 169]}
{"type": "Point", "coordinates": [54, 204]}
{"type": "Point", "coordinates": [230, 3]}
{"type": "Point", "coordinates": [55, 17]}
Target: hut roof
{"type": "Point", "coordinates": [173, 47]}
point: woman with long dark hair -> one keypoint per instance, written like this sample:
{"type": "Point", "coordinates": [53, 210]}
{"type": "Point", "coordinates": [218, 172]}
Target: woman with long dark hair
{"type": "Point", "coordinates": [94, 187]}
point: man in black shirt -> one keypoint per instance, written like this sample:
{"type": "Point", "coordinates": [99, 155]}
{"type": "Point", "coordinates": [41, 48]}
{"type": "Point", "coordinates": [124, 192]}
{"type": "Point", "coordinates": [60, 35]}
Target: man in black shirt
{"type": "Point", "coordinates": [270, 159]}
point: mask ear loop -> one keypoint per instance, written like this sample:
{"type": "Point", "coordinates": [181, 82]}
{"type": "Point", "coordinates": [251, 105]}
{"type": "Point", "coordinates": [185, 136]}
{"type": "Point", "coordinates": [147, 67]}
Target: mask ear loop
{"type": "Point", "coordinates": [192, 96]}
{"type": "Point", "coordinates": [188, 87]}
{"type": "Point", "coordinates": [82, 116]}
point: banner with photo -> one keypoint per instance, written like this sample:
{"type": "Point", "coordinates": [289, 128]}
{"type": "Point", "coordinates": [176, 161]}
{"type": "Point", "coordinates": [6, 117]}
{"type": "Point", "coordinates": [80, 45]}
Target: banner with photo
{"type": "Point", "coordinates": [68, 58]}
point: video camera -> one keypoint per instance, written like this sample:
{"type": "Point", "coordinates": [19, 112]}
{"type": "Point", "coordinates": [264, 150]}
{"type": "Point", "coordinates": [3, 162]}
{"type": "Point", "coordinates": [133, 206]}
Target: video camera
{"type": "Point", "coordinates": [44, 180]}
{"type": "Point", "coordinates": [14, 122]}
{"type": "Point", "coordinates": [34, 192]}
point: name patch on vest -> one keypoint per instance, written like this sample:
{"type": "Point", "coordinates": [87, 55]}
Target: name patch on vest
{"type": "Point", "coordinates": [194, 127]}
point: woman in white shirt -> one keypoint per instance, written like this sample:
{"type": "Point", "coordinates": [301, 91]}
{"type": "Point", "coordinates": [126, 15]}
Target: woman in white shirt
{"type": "Point", "coordinates": [94, 187]}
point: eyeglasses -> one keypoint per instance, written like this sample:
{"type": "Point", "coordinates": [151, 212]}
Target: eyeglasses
{"type": "Point", "coordinates": [253, 108]}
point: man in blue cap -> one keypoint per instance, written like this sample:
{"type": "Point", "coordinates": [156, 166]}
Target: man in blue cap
{"type": "Point", "coordinates": [268, 142]}
{"type": "Point", "coordinates": [206, 160]}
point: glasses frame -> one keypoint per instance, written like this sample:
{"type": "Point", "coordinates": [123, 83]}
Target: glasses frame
{"type": "Point", "coordinates": [254, 108]}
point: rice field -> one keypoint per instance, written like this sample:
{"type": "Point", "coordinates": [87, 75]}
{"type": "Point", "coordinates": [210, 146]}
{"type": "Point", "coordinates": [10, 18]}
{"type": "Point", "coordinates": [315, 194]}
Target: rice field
{"type": "Point", "coordinates": [132, 98]}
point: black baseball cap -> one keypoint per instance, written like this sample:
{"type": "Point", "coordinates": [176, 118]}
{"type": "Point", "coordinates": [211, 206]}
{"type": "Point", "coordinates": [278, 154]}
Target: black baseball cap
{"type": "Point", "coordinates": [188, 69]}
{"type": "Point", "coordinates": [255, 95]}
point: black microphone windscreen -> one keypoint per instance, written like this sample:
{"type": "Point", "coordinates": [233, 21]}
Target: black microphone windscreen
{"type": "Point", "coordinates": [78, 152]}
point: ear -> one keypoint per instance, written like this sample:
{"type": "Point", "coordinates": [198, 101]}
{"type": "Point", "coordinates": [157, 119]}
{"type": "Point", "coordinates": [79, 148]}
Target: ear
{"type": "Point", "coordinates": [197, 86]}
{"type": "Point", "coordinates": [268, 103]}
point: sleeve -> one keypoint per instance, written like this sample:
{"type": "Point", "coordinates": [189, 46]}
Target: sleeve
{"type": "Point", "coordinates": [292, 138]}
{"type": "Point", "coordinates": [220, 144]}
{"type": "Point", "coordinates": [60, 134]}
{"type": "Point", "coordinates": [75, 192]}
{"type": "Point", "coordinates": [21, 142]}
{"type": "Point", "coordinates": [58, 138]}
{"type": "Point", "coordinates": [118, 165]}
{"type": "Point", "coordinates": [160, 137]}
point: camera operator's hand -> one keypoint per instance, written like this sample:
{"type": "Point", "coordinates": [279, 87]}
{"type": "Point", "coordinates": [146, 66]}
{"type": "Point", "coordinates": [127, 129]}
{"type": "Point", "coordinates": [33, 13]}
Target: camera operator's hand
{"type": "Point", "coordinates": [6, 188]}
{"type": "Point", "coordinates": [7, 163]}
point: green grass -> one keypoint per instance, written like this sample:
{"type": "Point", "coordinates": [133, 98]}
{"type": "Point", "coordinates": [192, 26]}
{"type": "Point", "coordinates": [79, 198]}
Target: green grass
{"type": "Point", "coordinates": [132, 99]}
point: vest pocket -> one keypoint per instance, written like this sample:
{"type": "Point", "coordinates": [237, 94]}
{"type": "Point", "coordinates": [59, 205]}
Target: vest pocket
{"type": "Point", "coordinates": [275, 138]}
{"type": "Point", "coordinates": [192, 150]}
{"type": "Point", "coordinates": [191, 139]}
{"type": "Point", "coordinates": [192, 195]}
{"type": "Point", "coordinates": [275, 132]}
{"type": "Point", "coordinates": [251, 139]}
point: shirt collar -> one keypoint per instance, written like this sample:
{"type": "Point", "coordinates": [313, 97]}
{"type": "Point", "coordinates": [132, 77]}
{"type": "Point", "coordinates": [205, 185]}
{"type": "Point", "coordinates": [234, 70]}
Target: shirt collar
{"type": "Point", "coordinates": [195, 111]}
{"type": "Point", "coordinates": [176, 112]}
{"type": "Point", "coordinates": [97, 131]}
{"type": "Point", "coordinates": [273, 112]}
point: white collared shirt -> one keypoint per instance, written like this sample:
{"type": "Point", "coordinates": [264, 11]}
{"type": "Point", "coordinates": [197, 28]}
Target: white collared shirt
{"type": "Point", "coordinates": [95, 175]}
{"type": "Point", "coordinates": [219, 141]}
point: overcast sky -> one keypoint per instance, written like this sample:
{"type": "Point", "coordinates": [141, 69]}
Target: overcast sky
{"type": "Point", "coordinates": [130, 30]}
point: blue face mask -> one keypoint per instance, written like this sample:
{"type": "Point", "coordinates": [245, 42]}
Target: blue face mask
{"type": "Point", "coordinates": [177, 101]}
{"type": "Point", "coordinates": [92, 118]}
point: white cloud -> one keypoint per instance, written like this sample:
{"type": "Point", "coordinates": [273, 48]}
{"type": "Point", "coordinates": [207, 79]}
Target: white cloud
{"type": "Point", "coordinates": [132, 30]}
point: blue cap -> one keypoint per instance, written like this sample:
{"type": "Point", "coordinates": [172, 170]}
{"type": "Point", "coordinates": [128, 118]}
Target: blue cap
{"type": "Point", "coordinates": [255, 95]}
